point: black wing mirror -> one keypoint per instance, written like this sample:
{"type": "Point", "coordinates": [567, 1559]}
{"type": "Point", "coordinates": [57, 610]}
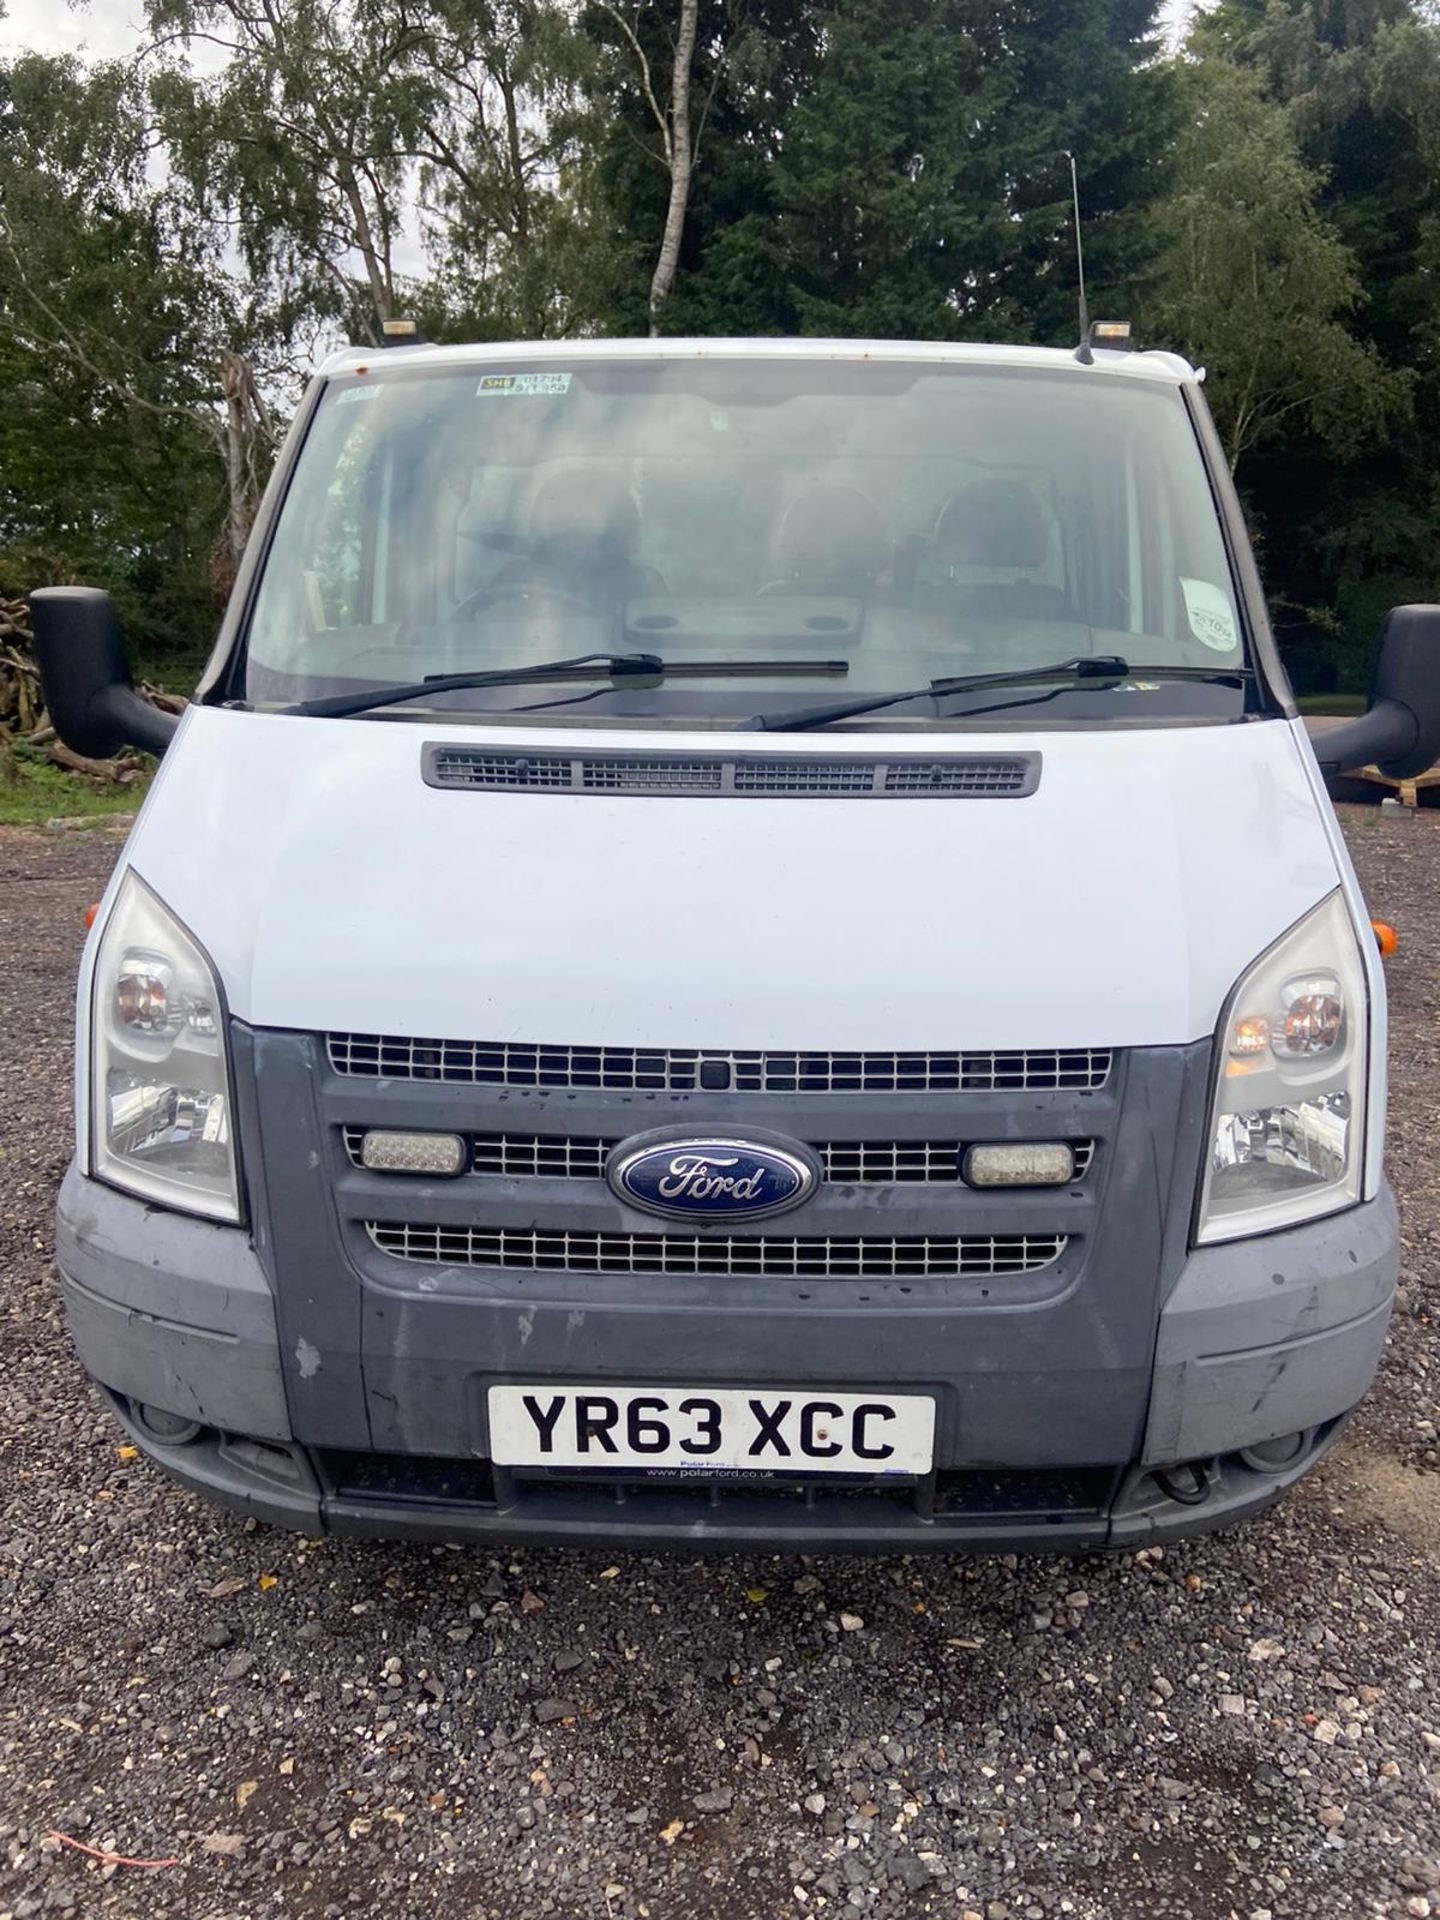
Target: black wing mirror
{"type": "Point", "coordinates": [91, 699]}
{"type": "Point", "coordinates": [1400, 730]}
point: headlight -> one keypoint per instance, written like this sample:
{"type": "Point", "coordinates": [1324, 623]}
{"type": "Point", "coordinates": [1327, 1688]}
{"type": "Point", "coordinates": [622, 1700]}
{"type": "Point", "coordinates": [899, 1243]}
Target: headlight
{"type": "Point", "coordinates": [1288, 1112]}
{"type": "Point", "coordinates": [159, 1077]}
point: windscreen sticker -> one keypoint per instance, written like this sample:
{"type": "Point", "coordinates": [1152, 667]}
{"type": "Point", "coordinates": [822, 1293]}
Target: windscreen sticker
{"type": "Point", "coordinates": [507, 384]}
{"type": "Point", "coordinates": [1212, 619]}
{"type": "Point", "coordinates": [356, 393]}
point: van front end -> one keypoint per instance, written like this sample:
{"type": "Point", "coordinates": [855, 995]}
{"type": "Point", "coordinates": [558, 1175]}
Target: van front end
{"type": "Point", "coordinates": [901, 1067]}
{"type": "Point", "coordinates": [1086, 1379]}
{"type": "Point", "coordinates": [955, 1279]}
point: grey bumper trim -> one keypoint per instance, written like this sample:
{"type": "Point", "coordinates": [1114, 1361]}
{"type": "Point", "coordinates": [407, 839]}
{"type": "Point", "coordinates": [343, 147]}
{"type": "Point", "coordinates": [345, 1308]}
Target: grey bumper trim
{"type": "Point", "coordinates": [281, 1487]}
{"type": "Point", "coordinates": [1257, 1339]}
{"type": "Point", "coordinates": [170, 1310]}
{"type": "Point", "coordinates": [1267, 1336]}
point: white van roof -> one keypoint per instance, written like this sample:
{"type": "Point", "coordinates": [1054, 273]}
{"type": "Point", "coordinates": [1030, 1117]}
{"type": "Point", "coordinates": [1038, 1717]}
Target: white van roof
{"type": "Point", "coordinates": [1168, 368]}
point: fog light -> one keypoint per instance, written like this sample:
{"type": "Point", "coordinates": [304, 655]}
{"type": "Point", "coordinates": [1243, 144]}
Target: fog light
{"type": "Point", "coordinates": [439, 1153]}
{"type": "Point", "coordinates": [1274, 1456]}
{"type": "Point", "coordinates": [1020, 1163]}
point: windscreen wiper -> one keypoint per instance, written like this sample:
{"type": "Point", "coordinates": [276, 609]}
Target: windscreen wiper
{"type": "Point", "coordinates": [583, 666]}
{"type": "Point", "coordinates": [1085, 667]}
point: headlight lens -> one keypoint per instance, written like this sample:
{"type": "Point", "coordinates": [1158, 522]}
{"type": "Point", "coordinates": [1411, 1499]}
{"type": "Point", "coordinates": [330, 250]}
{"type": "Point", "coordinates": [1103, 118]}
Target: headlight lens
{"type": "Point", "coordinates": [160, 1083]}
{"type": "Point", "coordinates": [1288, 1114]}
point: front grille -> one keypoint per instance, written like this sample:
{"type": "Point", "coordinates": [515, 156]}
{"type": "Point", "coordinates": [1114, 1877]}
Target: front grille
{"type": "Point", "coordinates": [1010, 776]}
{"type": "Point", "coordinates": [623, 1069]}
{"type": "Point", "coordinates": [577, 1157]}
{"type": "Point", "coordinates": [894, 1162]}
{"type": "Point", "coordinates": [871, 1258]}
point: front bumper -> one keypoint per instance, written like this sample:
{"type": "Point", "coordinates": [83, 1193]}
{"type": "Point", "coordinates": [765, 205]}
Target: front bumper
{"type": "Point", "coordinates": [1259, 1339]}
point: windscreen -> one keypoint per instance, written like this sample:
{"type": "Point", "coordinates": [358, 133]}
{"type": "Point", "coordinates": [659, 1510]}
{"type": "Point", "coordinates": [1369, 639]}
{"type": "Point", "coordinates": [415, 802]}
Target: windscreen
{"type": "Point", "coordinates": [810, 529]}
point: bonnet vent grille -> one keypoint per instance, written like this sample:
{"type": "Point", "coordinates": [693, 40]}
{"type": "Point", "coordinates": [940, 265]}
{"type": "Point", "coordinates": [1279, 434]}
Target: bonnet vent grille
{"type": "Point", "coordinates": [1008, 776]}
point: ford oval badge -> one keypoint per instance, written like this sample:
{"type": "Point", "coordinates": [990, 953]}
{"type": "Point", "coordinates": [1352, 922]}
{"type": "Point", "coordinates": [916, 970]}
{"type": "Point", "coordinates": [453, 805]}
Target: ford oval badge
{"type": "Point", "coordinates": [711, 1178]}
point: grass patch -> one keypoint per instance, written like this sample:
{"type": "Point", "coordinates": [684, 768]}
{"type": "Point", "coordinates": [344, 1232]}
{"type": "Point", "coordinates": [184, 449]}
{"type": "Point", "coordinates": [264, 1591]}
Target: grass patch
{"type": "Point", "coordinates": [33, 791]}
{"type": "Point", "coordinates": [1347, 704]}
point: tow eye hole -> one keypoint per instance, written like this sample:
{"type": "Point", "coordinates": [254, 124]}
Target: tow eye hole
{"type": "Point", "coordinates": [1186, 1483]}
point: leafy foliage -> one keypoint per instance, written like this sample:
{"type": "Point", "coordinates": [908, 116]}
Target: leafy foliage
{"type": "Point", "coordinates": [1259, 285]}
{"type": "Point", "coordinates": [108, 329]}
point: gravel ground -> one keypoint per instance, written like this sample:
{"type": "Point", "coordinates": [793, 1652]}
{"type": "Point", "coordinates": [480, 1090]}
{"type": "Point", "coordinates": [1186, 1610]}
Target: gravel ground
{"type": "Point", "coordinates": [1244, 1726]}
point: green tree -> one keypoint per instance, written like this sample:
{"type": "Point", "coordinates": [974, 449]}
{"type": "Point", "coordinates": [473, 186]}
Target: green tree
{"type": "Point", "coordinates": [1258, 285]}
{"type": "Point", "coordinates": [504, 151]}
{"type": "Point", "coordinates": [879, 233]}
{"type": "Point", "coordinates": [301, 140]}
{"type": "Point", "coordinates": [1359, 81]}
{"type": "Point", "coordinates": [113, 316]}
{"type": "Point", "coordinates": [898, 166]}
{"type": "Point", "coordinates": [687, 215]}
{"type": "Point", "coordinates": [342, 132]}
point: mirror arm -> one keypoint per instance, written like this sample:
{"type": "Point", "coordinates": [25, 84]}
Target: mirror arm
{"type": "Point", "coordinates": [133, 720]}
{"type": "Point", "coordinates": [1388, 731]}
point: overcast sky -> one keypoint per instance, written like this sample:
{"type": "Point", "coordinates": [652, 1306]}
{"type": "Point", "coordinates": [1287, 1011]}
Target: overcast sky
{"type": "Point", "coordinates": [109, 27]}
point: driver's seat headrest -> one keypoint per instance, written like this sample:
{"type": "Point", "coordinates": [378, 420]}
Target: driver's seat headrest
{"type": "Point", "coordinates": [586, 516]}
{"type": "Point", "coordinates": [992, 523]}
{"type": "Point", "coordinates": [832, 539]}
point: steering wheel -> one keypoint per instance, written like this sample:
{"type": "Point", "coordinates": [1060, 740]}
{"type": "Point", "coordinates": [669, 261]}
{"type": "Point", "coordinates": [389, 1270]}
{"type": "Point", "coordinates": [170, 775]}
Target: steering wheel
{"type": "Point", "coordinates": [486, 597]}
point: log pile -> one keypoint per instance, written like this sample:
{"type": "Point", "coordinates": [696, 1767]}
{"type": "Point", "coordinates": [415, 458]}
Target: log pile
{"type": "Point", "coordinates": [24, 726]}
{"type": "Point", "coordinates": [21, 705]}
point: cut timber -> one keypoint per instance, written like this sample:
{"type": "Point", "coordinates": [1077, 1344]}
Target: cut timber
{"type": "Point", "coordinates": [1408, 790]}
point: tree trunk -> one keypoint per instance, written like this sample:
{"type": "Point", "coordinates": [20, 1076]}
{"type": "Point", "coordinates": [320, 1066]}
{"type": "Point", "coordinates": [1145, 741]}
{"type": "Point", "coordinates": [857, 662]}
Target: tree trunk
{"type": "Point", "coordinates": [531, 304]}
{"type": "Point", "coordinates": [246, 437]}
{"type": "Point", "coordinates": [240, 508]}
{"type": "Point", "coordinates": [377, 268]}
{"type": "Point", "coordinates": [681, 158]}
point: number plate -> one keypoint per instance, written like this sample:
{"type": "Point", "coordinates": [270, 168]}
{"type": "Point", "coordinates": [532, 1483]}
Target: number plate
{"type": "Point", "coordinates": [678, 1429]}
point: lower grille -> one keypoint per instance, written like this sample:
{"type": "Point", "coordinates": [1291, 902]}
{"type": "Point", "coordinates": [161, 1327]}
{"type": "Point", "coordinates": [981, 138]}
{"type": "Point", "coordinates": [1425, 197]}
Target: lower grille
{"type": "Point", "coordinates": [583, 1157]}
{"type": "Point", "coordinates": [870, 1258]}
{"type": "Point", "coordinates": [1003, 1498]}
{"type": "Point", "coordinates": [409, 1477]}
{"type": "Point", "coordinates": [1020, 1491]}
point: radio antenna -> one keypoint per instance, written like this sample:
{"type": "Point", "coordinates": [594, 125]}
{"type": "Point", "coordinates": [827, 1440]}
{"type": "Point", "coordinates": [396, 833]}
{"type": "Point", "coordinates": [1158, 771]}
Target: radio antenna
{"type": "Point", "coordinates": [1083, 351]}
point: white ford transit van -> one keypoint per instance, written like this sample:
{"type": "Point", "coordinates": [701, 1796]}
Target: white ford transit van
{"type": "Point", "coordinates": [741, 945]}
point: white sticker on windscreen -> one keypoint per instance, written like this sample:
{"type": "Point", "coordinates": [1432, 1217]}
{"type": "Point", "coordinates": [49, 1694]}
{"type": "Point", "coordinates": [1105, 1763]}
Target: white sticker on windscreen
{"type": "Point", "coordinates": [1212, 618]}
{"type": "Point", "coordinates": [348, 395]}
{"type": "Point", "coordinates": [510, 385]}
